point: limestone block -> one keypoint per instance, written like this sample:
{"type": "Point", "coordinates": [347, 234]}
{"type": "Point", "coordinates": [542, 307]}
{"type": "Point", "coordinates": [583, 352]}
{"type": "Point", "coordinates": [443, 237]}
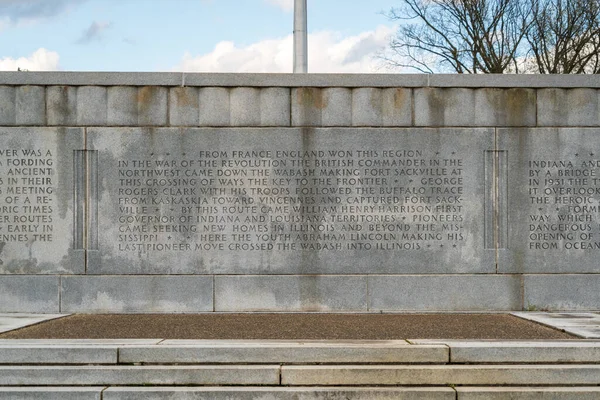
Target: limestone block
{"type": "Point", "coordinates": [92, 105]}
{"type": "Point", "coordinates": [51, 393]}
{"type": "Point", "coordinates": [444, 293]}
{"type": "Point", "coordinates": [152, 105]}
{"type": "Point", "coordinates": [38, 228]}
{"type": "Point", "coordinates": [122, 106]}
{"type": "Point", "coordinates": [525, 375]}
{"type": "Point", "coordinates": [175, 294]}
{"type": "Point", "coordinates": [184, 106]}
{"type": "Point", "coordinates": [528, 393]}
{"type": "Point", "coordinates": [290, 352]}
{"type": "Point", "coordinates": [415, 198]}
{"type": "Point", "coordinates": [524, 352]}
{"type": "Point", "coordinates": [61, 105]}
{"type": "Point", "coordinates": [474, 107]}
{"type": "Point", "coordinates": [562, 292]}
{"type": "Point", "coordinates": [34, 294]}
{"type": "Point", "coordinates": [214, 106]}
{"type": "Point", "coordinates": [57, 354]}
{"type": "Point", "coordinates": [337, 107]}
{"type": "Point", "coordinates": [290, 293]}
{"type": "Point", "coordinates": [140, 375]}
{"type": "Point", "coordinates": [280, 393]}
{"type": "Point", "coordinates": [8, 110]}
{"type": "Point", "coordinates": [568, 107]}
{"type": "Point", "coordinates": [245, 106]}
{"type": "Point", "coordinates": [367, 107]}
{"type": "Point", "coordinates": [397, 107]}
{"type": "Point", "coordinates": [275, 107]}
{"type": "Point", "coordinates": [553, 224]}
{"type": "Point", "coordinates": [307, 106]}
{"type": "Point", "coordinates": [30, 105]}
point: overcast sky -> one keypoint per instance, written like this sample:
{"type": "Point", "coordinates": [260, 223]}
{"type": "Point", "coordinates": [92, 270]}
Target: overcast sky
{"type": "Point", "coordinates": [189, 35]}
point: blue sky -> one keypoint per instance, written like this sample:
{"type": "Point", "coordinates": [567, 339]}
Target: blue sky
{"type": "Point", "coordinates": [189, 35]}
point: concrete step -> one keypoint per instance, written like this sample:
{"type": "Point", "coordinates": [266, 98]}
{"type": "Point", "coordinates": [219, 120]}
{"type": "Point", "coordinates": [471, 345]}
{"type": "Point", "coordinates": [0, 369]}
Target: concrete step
{"type": "Point", "coordinates": [51, 393]}
{"type": "Point", "coordinates": [295, 393]}
{"type": "Point", "coordinates": [284, 352]}
{"type": "Point", "coordinates": [489, 375]}
{"type": "Point", "coordinates": [255, 393]}
{"type": "Point", "coordinates": [478, 351]}
{"type": "Point", "coordinates": [528, 393]}
{"type": "Point", "coordinates": [296, 352]}
{"type": "Point", "coordinates": [139, 375]}
{"type": "Point", "coordinates": [224, 352]}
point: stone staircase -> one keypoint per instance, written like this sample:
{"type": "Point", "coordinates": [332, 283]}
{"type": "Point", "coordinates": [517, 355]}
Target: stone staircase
{"type": "Point", "coordinates": [298, 370]}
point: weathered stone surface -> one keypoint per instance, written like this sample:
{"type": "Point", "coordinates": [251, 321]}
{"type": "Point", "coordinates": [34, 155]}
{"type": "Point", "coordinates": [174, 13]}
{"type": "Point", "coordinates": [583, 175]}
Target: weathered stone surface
{"type": "Point", "coordinates": [140, 375]}
{"type": "Point", "coordinates": [92, 105]}
{"type": "Point", "coordinates": [37, 227]}
{"type": "Point", "coordinates": [30, 108]}
{"type": "Point", "coordinates": [61, 105]}
{"type": "Point", "coordinates": [527, 393]}
{"type": "Point", "coordinates": [227, 351]}
{"type": "Point", "coordinates": [299, 80]}
{"type": "Point", "coordinates": [273, 201]}
{"type": "Point", "coordinates": [184, 105]}
{"type": "Point", "coordinates": [290, 293]}
{"type": "Point", "coordinates": [35, 294]}
{"type": "Point", "coordinates": [245, 106]}
{"type": "Point", "coordinates": [51, 393]}
{"type": "Point", "coordinates": [136, 294]}
{"type": "Point", "coordinates": [397, 107]}
{"type": "Point", "coordinates": [10, 321]}
{"type": "Point", "coordinates": [275, 107]}
{"type": "Point", "coordinates": [66, 354]}
{"type": "Point", "coordinates": [381, 107]}
{"type": "Point", "coordinates": [307, 105]}
{"type": "Point", "coordinates": [568, 107]}
{"type": "Point", "coordinates": [562, 292]}
{"type": "Point", "coordinates": [585, 325]}
{"type": "Point", "coordinates": [553, 224]}
{"type": "Point", "coordinates": [520, 351]}
{"type": "Point", "coordinates": [121, 106]}
{"type": "Point", "coordinates": [214, 106]}
{"type": "Point", "coordinates": [152, 105]}
{"type": "Point", "coordinates": [441, 375]}
{"type": "Point", "coordinates": [444, 293]}
{"type": "Point", "coordinates": [288, 393]}
{"type": "Point", "coordinates": [7, 105]}
{"type": "Point", "coordinates": [367, 107]}
{"type": "Point", "coordinates": [337, 107]}
{"type": "Point", "coordinates": [474, 107]}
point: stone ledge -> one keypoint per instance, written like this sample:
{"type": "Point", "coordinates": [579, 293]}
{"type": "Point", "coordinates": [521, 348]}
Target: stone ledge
{"type": "Point", "coordinates": [296, 80]}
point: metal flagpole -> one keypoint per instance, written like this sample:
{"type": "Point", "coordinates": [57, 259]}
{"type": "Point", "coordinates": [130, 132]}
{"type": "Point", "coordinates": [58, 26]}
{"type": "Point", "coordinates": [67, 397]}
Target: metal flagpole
{"type": "Point", "coordinates": [300, 38]}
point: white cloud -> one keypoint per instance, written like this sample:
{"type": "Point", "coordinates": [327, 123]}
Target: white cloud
{"type": "Point", "coordinates": [328, 52]}
{"type": "Point", "coordinates": [40, 60]}
{"type": "Point", "coordinates": [285, 5]}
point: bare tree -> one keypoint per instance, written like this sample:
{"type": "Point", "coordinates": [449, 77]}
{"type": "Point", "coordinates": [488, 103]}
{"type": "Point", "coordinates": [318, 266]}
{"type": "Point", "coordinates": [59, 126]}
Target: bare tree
{"type": "Point", "coordinates": [497, 36]}
{"type": "Point", "coordinates": [564, 37]}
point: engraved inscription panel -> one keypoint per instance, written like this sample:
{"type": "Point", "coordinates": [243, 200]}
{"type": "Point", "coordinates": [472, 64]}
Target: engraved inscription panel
{"type": "Point", "coordinates": [554, 202]}
{"type": "Point", "coordinates": [36, 201]}
{"type": "Point", "coordinates": [281, 201]}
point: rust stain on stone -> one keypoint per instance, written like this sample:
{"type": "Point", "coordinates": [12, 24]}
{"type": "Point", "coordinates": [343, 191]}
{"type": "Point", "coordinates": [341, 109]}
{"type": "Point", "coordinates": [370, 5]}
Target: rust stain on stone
{"type": "Point", "coordinates": [311, 97]}
{"type": "Point", "coordinates": [400, 98]}
{"type": "Point", "coordinates": [519, 103]}
{"type": "Point", "coordinates": [145, 96]}
{"type": "Point", "coordinates": [185, 98]}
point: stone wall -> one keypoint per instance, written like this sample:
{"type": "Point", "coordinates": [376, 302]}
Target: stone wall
{"type": "Point", "coordinates": [170, 192]}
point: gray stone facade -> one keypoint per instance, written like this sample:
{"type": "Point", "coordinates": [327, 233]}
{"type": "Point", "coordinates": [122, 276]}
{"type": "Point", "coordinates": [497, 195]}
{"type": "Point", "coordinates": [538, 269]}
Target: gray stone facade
{"type": "Point", "coordinates": [170, 192]}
